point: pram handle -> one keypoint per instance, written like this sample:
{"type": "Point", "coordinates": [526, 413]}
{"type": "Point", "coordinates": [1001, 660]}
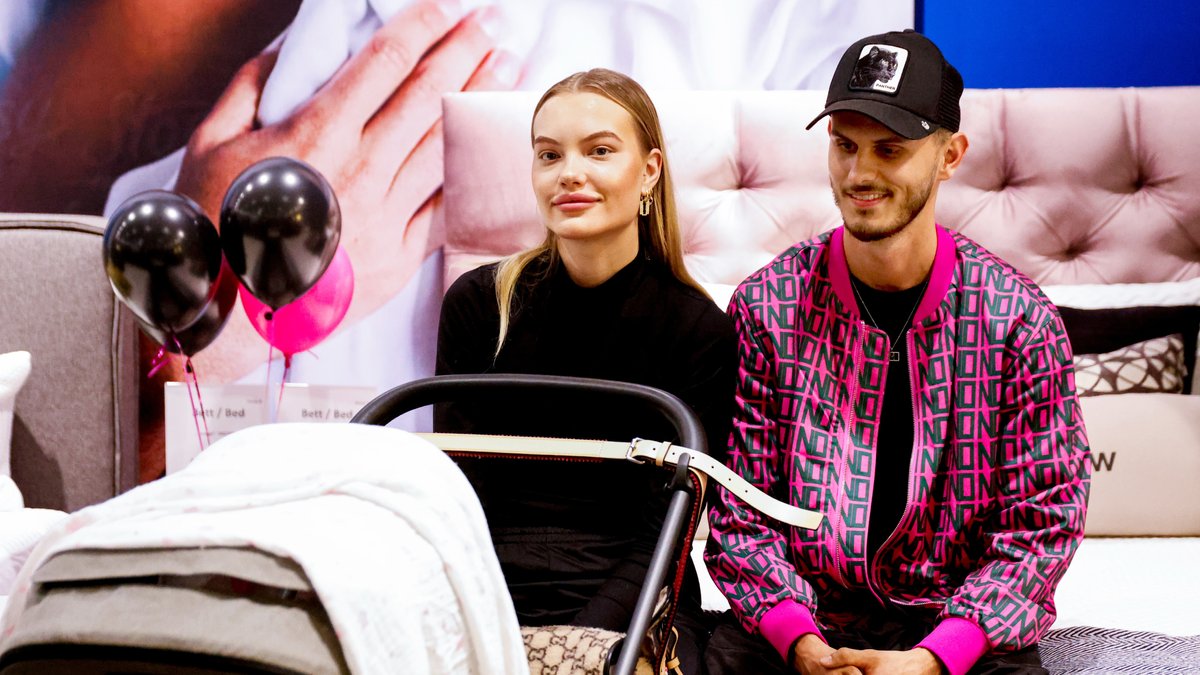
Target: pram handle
{"type": "Point", "coordinates": [443, 388]}
{"type": "Point", "coordinates": [639, 450]}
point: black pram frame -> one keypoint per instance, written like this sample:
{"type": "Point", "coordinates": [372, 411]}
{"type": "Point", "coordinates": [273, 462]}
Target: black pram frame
{"type": "Point", "coordinates": [686, 486]}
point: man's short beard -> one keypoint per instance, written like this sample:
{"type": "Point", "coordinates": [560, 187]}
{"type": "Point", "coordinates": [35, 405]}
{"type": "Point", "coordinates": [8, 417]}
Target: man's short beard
{"type": "Point", "coordinates": [908, 211]}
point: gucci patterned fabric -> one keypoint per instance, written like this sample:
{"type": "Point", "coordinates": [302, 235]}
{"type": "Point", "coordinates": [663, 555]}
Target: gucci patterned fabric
{"type": "Point", "coordinates": [1000, 469]}
{"type": "Point", "coordinates": [572, 650]}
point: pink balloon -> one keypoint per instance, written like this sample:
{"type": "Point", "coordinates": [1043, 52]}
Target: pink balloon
{"type": "Point", "coordinates": [304, 322]}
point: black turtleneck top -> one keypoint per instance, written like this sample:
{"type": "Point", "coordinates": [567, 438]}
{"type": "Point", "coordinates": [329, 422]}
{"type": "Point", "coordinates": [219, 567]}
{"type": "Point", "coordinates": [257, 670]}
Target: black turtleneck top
{"type": "Point", "coordinates": [574, 539]}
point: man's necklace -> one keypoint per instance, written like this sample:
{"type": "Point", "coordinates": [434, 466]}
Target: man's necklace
{"type": "Point", "coordinates": [894, 354]}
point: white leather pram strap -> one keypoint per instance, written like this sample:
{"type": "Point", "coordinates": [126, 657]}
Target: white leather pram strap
{"type": "Point", "coordinates": [639, 450]}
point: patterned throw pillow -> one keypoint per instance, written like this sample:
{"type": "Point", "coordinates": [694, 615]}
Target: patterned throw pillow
{"type": "Point", "coordinates": [572, 650]}
{"type": "Point", "coordinates": [1155, 365]}
{"type": "Point", "coordinates": [1099, 331]}
{"type": "Point", "coordinates": [1102, 317]}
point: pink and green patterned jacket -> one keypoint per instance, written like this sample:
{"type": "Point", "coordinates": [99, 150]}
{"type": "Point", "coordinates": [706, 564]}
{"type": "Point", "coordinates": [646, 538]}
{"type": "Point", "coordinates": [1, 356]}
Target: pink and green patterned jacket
{"type": "Point", "coordinates": [998, 482]}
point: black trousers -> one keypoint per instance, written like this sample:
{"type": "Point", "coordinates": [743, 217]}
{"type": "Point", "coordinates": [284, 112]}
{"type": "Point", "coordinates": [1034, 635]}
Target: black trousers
{"type": "Point", "coordinates": [693, 634]}
{"type": "Point", "coordinates": [733, 651]}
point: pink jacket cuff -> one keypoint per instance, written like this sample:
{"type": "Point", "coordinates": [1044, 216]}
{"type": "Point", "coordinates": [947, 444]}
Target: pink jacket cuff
{"type": "Point", "coordinates": [957, 643]}
{"type": "Point", "coordinates": [785, 623]}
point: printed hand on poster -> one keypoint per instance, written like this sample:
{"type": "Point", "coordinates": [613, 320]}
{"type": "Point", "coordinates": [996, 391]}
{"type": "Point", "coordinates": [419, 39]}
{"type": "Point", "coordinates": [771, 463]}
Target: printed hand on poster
{"type": "Point", "coordinates": [374, 131]}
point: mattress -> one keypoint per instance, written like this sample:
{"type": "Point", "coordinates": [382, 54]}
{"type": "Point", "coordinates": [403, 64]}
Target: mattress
{"type": "Point", "coordinates": [1139, 584]}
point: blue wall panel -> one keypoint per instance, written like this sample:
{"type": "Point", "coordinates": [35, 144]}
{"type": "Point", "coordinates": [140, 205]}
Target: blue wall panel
{"type": "Point", "coordinates": [1061, 43]}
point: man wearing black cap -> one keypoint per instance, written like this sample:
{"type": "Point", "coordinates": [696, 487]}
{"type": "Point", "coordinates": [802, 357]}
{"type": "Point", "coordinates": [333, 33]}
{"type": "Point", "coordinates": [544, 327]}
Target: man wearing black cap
{"type": "Point", "coordinates": [919, 392]}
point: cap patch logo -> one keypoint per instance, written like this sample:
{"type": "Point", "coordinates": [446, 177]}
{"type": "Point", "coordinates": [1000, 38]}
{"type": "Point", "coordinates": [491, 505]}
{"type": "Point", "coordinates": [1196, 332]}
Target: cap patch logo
{"type": "Point", "coordinates": [879, 68]}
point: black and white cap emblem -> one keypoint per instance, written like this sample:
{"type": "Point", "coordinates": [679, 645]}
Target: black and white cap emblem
{"type": "Point", "coordinates": [879, 68]}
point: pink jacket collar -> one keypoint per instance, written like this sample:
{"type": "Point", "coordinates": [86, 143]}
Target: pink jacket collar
{"type": "Point", "coordinates": [940, 276]}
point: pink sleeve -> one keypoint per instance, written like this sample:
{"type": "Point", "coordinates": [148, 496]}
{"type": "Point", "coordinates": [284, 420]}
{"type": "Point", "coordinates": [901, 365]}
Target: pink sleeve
{"type": "Point", "coordinates": [785, 623]}
{"type": "Point", "coordinates": [957, 643]}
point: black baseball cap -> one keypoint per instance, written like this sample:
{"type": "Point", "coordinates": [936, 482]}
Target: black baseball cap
{"type": "Point", "coordinates": [900, 80]}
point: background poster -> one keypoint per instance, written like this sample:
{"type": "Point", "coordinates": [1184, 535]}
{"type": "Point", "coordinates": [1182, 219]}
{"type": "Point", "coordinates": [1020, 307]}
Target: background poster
{"type": "Point", "coordinates": [100, 99]}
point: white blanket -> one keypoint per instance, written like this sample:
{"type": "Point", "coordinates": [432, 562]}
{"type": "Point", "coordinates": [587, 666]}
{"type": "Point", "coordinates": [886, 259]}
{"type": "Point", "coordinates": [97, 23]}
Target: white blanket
{"type": "Point", "coordinates": [20, 530]}
{"type": "Point", "coordinates": [385, 526]}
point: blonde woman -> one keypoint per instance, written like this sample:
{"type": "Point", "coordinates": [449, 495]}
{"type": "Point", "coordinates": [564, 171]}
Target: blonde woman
{"type": "Point", "coordinates": [605, 295]}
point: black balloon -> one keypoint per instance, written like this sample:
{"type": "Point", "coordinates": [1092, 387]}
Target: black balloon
{"type": "Point", "coordinates": [280, 226]}
{"type": "Point", "coordinates": [162, 256]}
{"type": "Point", "coordinates": [200, 334]}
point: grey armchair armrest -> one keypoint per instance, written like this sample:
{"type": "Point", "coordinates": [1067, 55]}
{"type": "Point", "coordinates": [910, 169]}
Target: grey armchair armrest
{"type": "Point", "coordinates": [75, 429]}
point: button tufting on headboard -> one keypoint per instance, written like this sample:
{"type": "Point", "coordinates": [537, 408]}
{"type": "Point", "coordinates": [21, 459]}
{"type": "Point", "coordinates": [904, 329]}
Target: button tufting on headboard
{"type": "Point", "coordinates": [1074, 250]}
{"type": "Point", "coordinates": [1070, 185]}
{"type": "Point", "coordinates": [1139, 181]}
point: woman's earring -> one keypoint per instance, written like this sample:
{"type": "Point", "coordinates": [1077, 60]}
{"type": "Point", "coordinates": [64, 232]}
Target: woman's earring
{"type": "Point", "coordinates": [644, 204]}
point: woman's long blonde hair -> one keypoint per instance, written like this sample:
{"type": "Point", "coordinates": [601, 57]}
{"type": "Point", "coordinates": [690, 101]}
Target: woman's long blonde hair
{"type": "Point", "coordinates": [658, 233]}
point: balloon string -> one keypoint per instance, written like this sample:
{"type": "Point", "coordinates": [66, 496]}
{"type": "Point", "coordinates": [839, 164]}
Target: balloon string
{"type": "Point", "coordinates": [287, 369]}
{"type": "Point", "coordinates": [157, 363]}
{"type": "Point", "coordinates": [272, 412]}
{"type": "Point", "coordinates": [196, 381]}
{"type": "Point", "coordinates": [193, 381]}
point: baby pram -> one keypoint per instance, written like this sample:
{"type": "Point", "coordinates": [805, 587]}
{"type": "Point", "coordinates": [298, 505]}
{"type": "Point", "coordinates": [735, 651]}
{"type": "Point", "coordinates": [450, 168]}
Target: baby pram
{"type": "Point", "coordinates": [235, 610]}
{"type": "Point", "coordinates": [686, 468]}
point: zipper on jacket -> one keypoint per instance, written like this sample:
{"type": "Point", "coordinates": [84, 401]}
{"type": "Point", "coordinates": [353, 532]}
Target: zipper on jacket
{"type": "Point", "coordinates": [873, 576]}
{"type": "Point", "coordinates": [871, 580]}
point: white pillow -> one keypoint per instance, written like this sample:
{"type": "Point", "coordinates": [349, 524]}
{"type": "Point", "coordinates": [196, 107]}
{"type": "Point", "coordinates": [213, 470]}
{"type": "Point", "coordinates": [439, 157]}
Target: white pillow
{"type": "Point", "coordinates": [1145, 464]}
{"type": "Point", "coordinates": [14, 369]}
{"type": "Point", "coordinates": [1109, 296]}
{"type": "Point", "coordinates": [10, 495]}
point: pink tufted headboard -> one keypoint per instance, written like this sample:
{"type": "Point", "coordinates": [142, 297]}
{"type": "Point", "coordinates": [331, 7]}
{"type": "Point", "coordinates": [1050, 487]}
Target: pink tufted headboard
{"type": "Point", "coordinates": [1072, 186]}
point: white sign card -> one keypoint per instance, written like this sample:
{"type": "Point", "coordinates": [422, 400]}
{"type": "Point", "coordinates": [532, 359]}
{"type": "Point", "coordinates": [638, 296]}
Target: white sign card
{"type": "Point", "coordinates": [229, 408]}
